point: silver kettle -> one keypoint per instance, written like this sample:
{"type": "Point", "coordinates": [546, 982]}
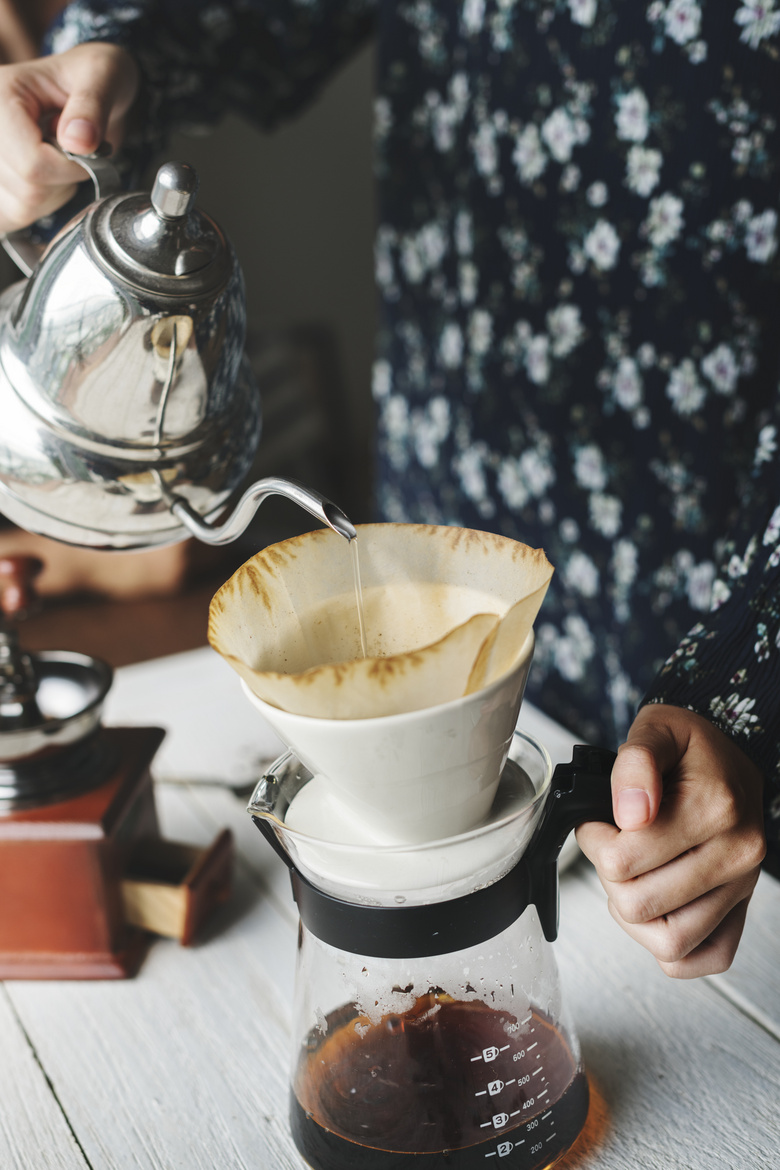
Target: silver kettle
{"type": "Point", "coordinates": [128, 414]}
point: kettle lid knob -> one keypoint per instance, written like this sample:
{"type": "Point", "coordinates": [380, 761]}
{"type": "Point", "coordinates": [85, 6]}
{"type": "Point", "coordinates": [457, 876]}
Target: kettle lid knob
{"type": "Point", "coordinates": [161, 243]}
{"type": "Point", "coordinates": [175, 190]}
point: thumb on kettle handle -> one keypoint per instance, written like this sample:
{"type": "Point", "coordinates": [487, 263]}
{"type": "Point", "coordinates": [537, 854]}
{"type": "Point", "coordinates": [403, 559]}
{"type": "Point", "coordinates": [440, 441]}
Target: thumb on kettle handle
{"type": "Point", "coordinates": [580, 791]}
{"type": "Point", "coordinates": [105, 178]}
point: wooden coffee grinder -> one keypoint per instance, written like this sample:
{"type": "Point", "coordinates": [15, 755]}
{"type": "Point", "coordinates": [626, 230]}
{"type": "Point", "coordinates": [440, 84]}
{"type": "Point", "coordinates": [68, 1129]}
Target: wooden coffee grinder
{"type": "Point", "coordinates": [84, 873]}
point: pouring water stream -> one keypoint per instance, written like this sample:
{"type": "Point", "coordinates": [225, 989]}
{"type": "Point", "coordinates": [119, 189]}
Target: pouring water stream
{"type": "Point", "coordinates": [353, 545]}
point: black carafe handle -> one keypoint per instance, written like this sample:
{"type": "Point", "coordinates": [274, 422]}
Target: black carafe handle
{"type": "Point", "coordinates": [580, 791]}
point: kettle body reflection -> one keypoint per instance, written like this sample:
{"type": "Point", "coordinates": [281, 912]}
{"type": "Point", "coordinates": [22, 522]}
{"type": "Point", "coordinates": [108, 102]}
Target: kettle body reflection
{"type": "Point", "coordinates": [122, 375]}
{"type": "Point", "coordinates": [130, 415]}
{"type": "Point", "coordinates": [429, 1028]}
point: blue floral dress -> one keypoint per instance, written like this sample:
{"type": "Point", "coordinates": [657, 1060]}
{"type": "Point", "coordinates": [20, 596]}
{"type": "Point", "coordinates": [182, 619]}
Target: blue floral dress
{"type": "Point", "coordinates": [578, 270]}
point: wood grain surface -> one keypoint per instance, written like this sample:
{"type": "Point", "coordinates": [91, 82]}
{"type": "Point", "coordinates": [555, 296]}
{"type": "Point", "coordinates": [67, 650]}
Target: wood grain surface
{"type": "Point", "coordinates": [185, 1067]}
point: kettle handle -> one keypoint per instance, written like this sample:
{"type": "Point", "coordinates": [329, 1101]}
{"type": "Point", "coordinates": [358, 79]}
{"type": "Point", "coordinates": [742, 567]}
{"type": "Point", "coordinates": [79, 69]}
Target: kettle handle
{"type": "Point", "coordinates": [105, 178]}
{"type": "Point", "coordinates": [580, 791]}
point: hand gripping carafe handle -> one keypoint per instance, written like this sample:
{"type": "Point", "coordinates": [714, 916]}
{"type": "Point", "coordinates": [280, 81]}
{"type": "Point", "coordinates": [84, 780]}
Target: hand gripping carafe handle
{"type": "Point", "coordinates": [580, 791]}
{"type": "Point", "coordinates": [105, 179]}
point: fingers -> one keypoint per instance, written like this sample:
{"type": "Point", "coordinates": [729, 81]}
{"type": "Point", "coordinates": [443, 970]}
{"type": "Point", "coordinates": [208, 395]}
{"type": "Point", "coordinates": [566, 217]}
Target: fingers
{"type": "Point", "coordinates": [698, 807]}
{"type": "Point", "coordinates": [648, 754]}
{"type": "Point", "coordinates": [675, 881]}
{"type": "Point", "coordinates": [35, 179]}
{"type": "Point", "coordinates": [88, 90]}
{"type": "Point", "coordinates": [716, 953]}
{"type": "Point", "coordinates": [717, 864]}
{"type": "Point", "coordinates": [622, 856]}
{"type": "Point", "coordinates": [699, 939]}
{"type": "Point", "coordinates": [37, 182]}
{"type": "Point", "coordinates": [100, 88]}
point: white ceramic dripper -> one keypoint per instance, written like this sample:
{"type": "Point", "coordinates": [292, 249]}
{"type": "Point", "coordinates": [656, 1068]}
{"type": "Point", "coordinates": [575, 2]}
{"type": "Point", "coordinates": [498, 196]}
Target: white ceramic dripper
{"type": "Point", "coordinates": [412, 777]}
{"type": "Point", "coordinates": [408, 744]}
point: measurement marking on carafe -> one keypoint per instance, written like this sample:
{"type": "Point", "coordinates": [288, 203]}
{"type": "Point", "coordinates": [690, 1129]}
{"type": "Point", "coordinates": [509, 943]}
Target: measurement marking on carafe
{"type": "Point", "coordinates": [530, 1016]}
{"type": "Point", "coordinates": [505, 1148]}
{"type": "Point", "coordinates": [498, 1120]}
{"type": "Point", "coordinates": [531, 1047]}
{"type": "Point", "coordinates": [488, 1054]}
{"type": "Point", "coordinates": [538, 1070]}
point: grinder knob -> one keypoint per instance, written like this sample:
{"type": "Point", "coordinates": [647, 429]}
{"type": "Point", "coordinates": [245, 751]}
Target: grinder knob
{"type": "Point", "coordinates": [17, 592]}
{"type": "Point", "coordinates": [18, 679]}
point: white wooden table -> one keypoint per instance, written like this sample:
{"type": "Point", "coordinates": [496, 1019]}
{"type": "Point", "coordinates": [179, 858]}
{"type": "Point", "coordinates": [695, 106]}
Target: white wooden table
{"type": "Point", "coordinates": [185, 1066]}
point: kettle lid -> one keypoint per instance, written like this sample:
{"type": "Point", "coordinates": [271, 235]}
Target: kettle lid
{"type": "Point", "coordinates": [161, 243]}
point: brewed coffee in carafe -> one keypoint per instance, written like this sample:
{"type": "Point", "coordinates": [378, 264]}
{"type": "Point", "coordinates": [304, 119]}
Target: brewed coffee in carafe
{"type": "Point", "coordinates": [444, 1083]}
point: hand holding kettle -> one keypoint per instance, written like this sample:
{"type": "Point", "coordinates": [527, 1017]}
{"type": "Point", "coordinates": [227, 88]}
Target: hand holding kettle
{"type": "Point", "coordinates": [90, 90]}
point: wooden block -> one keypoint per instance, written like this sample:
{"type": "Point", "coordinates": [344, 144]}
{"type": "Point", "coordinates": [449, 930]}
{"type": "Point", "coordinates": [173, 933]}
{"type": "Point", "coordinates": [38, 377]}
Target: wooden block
{"type": "Point", "coordinates": [170, 888]}
{"type": "Point", "coordinates": [60, 868]}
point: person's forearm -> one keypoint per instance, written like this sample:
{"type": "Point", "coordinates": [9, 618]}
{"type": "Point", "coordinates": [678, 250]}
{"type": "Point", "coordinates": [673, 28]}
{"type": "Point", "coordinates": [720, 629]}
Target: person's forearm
{"type": "Point", "coordinates": [727, 669]}
{"type": "Point", "coordinates": [728, 666]}
{"type": "Point", "coordinates": [262, 59]}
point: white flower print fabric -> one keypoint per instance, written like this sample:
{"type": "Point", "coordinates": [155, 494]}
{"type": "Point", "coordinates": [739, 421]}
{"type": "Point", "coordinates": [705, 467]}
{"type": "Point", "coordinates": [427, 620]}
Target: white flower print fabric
{"type": "Point", "coordinates": [578, 273]}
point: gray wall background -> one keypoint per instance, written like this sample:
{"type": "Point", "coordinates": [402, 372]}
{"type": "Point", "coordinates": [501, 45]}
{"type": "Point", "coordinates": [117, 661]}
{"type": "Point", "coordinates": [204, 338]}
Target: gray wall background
{"type": "Point", "coordinates": [298, 205]}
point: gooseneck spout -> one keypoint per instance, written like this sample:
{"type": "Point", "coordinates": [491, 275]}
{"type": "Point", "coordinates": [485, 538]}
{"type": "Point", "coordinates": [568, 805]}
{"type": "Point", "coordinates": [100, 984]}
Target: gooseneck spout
{"type": "Point", "coordinates": [228, 530]}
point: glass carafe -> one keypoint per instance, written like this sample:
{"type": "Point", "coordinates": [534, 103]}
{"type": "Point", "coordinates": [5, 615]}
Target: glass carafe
{"type": "Point", "coordinates": [428, 1027]}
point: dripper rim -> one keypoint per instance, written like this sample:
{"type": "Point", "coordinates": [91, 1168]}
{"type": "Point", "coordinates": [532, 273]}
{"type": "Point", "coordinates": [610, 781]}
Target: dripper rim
{"type": "Point", "coordinates": [487, 826]}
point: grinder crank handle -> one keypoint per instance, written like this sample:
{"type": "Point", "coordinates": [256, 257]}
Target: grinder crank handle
{"type": "Point", "coordinates": [17, 592]}
{"type": "Point", "coordinates": [105, 179]}
{"type": "Point", "coordinates": [580, 791]}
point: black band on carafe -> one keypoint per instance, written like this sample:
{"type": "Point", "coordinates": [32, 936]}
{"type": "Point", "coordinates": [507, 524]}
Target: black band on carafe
{"type": "Point", "coordinates": [580, 791]}
{"type": "Point", "coordinates": [401, 932]}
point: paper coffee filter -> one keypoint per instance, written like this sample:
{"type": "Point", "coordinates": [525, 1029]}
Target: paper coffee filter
{"type": "Point", "coordinates": [447, 611]}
